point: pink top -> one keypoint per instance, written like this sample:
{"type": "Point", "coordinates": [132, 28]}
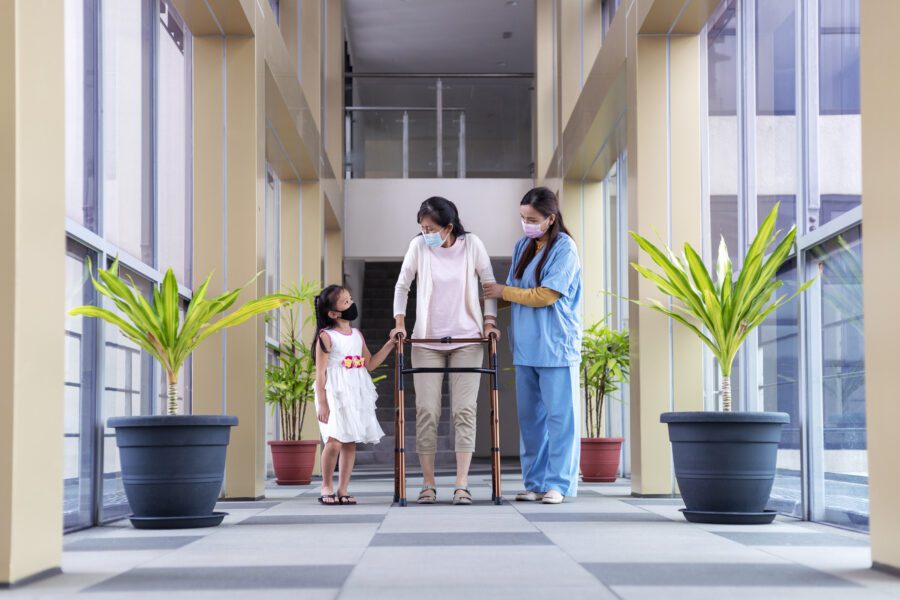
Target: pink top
{"type": "Point", "coordinates": [448, 313]}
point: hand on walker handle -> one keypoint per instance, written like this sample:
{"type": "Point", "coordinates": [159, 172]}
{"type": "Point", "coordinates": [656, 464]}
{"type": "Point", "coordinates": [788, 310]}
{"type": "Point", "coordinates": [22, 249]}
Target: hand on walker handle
{"type": "Point", "coordinates": [490, 329]}
{"type": "Point", "coordinates": [493, 290]}
{"type": "Point", "coordinates": [401, 331]}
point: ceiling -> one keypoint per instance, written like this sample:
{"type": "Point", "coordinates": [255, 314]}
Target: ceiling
{"type": "Point", "coordinates": [440, 36]}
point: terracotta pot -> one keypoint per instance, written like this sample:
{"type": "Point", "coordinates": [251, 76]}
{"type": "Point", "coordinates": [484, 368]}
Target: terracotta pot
{"type": "Point", "coordinates": [293, 461]}
{"type": "Point", "coordinates": [600, 459]}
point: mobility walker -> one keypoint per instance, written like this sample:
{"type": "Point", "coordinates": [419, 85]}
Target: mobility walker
{"type": "Point", "coordinates": [400, 370]}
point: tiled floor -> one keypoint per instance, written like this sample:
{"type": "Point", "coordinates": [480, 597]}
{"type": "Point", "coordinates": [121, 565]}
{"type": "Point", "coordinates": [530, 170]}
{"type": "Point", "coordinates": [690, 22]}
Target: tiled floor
{"type": "Point", "coordinates": [603, 544]}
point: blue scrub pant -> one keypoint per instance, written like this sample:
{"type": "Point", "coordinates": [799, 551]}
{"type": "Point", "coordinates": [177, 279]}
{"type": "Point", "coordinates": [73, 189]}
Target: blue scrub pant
{"type": "Point", "coordinates": [548, 402]}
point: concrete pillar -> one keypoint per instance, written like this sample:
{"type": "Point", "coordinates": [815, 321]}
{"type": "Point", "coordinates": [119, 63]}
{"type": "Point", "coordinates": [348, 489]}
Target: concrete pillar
{"type": "Point", "coordinates": [229, 239]}
{"type": "Point", "coordinates": [880, 130]}
{"type": "Point", "coordinates": [32, 301]}
{"type": "Point", "coordinates": [664, 197]}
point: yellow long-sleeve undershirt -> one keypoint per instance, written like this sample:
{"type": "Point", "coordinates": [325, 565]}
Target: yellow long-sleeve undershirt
{"type": "Point", "coordinates": [533, 297]}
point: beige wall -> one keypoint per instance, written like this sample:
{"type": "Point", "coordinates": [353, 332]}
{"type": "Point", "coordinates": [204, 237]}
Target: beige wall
{"type": "Point", "coordinates": [32, 303]}
{"type": "Point", "coordinates": [880, 132]}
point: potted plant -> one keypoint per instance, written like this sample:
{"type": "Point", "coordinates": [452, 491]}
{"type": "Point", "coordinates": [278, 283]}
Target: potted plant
{"type": "Point", "coordinates": [724, 461]}
{"type": "Point", "coordinates": [604, 366]}
{"type": "Point", "coordinates": [290, 388]}
{"type": "Point", "coordinates": [172, 465]}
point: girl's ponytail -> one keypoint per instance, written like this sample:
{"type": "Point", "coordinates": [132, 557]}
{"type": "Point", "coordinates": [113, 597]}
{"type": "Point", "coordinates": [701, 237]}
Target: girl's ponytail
{"type": "Point", "coordinates": [322, 305]}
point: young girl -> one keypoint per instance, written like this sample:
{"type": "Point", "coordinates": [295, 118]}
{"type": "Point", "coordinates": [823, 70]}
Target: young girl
{"type": "Point", "coordinates": [345, 394]}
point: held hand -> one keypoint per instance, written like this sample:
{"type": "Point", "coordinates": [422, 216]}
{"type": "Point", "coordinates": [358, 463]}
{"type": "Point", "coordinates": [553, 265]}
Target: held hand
{"type": "Point", "coordinates": [493, 290]}
{"type": "Point", "coordinates": [396, 330]}
{"type": "Point", "coordinates": [490, 329]}
{"type": "Point", "coordinates": [323, 412]}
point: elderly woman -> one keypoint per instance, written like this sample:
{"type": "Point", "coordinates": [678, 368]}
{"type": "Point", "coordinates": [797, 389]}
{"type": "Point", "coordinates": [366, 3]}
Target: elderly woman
{"type": "Point", "coordinates": [448, 262]}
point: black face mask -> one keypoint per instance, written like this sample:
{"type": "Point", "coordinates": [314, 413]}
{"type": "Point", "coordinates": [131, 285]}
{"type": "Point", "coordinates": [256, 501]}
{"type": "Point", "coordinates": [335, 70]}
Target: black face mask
{"type": "Point", "coordinates": [351, 313]}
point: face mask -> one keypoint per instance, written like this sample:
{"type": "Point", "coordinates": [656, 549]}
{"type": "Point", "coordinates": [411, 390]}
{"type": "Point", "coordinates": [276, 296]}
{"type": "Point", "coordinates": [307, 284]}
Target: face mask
{"type": "Point", "coordinates": [351, 313]}
{"type": "Point", "coordinates": [533, 230]}
{"type": "Point", "coordinates": [433, 240]}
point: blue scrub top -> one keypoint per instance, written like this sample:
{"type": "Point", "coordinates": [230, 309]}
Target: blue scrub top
{"type": "Point", "coordinates": [549, 336]}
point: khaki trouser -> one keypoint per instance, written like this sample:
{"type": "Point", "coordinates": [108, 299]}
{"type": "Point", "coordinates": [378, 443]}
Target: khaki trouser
{"type": "Point", "coordinates": [463, 395]}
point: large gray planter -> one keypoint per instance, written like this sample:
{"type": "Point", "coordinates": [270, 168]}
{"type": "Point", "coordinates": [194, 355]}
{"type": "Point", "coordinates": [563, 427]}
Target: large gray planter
{"type": "Point", "coordinates": [725, 463]}
{"type": "Point", "coordinates": [173, 468]}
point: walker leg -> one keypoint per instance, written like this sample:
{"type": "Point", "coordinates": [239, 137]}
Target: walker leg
{"type": "Point", "coordinates": [495, 423]}
{"type": "Point", "coordinates": [400, 434]}
{"type": "Point", "coordinates": [397, 376]}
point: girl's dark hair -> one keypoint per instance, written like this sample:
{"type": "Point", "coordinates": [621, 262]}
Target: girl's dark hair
{"type": "Point", "coordinates": [324, 303]}
{"type": "Point", "coordinates": [545, 202]}
{"type": "Point", "coordinates": [443, 212]}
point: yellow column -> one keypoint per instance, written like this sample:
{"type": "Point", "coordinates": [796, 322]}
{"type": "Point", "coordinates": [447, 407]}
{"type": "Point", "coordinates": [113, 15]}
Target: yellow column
{"type": "Point", "coordinates": [880, 131]}
{"type": "Point", "coordinates": [311, 241]}
{"type": "Point", "coordinates": [568, 35]}
{"type": "Point", "coordinates": [229, 236]}
{"type": "Point", "coordinates": [593, 252]}
{"type": "Point", "coordinates": [545, 71]}
{"type": "Point", "coordinates": [32, 307]}
{"type": "Point", "coordinates": [664, 197]}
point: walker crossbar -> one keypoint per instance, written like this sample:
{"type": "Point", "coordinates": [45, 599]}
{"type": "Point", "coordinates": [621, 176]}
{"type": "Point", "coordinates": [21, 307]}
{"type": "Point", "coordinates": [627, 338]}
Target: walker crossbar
{"type": "Point", "coordinates": [400, 370]}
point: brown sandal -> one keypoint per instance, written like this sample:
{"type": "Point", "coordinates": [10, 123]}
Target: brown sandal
{"type": "Point", "coordinates": [333, 497]}
{"type": "Point", "coordinates": [462, 496]}
{"type": "Point", "coordinates": [350, 500]}
{"type": "Point", "coordinates": [428, 495]}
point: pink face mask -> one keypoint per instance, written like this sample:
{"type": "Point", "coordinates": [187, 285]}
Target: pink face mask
{"type": "Point", "coordinates": [533, 230]}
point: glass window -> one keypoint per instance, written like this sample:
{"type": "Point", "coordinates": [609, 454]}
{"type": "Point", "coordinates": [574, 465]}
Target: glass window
{"type": "Point", "coordinates": [79, 396]}
{"type": "Point", "coordinates": [779, 390]}
{"type": "Point", "coordinates": [838, 122]}
{"type": "Point", "coordinates": [81, 113]}
{"type": "Point", "coordinates": [127, 28]}
{"type": "Point", "coordinates": [837, 316]}
{"type": "Point", "coordinates": [173, 132]}
{"type": "Point", "coordinates": [273, 247]}
{"type": "Point", "coordinates": [776, 109]}
{"type": "Point", "coordinates": [127, 391]}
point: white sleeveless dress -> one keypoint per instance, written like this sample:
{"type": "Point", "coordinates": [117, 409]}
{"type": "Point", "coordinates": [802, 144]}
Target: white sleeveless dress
{"type": "Point", "coordinates": [350, 393]}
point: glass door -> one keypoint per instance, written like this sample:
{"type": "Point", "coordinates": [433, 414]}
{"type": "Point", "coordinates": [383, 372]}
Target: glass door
{"type": "Point", "coordinates": [838, 461]}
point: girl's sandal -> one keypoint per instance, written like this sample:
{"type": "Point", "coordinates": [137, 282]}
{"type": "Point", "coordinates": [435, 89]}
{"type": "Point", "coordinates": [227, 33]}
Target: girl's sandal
{"type": "Point", "coordinates": [462, 496]}
{"type": "Point", "coordinates": [328, 499]}
{"type": "Point", "coordinates": [347, 500]}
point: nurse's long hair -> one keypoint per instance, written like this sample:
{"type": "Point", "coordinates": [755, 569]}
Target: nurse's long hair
{"type": "Point", "coordinates": [324, 303]}
{"type": "Point", "coordinates": [545, 202]}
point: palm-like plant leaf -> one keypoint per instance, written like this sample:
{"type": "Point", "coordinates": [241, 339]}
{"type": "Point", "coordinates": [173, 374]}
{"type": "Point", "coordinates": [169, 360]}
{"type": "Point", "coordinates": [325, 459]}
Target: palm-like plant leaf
{"type": "Point", "coordinates": [721, 312]}
{"type": "Point", "coordinates": [158, 328]}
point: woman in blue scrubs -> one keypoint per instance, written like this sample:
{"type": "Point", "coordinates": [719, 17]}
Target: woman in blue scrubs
{"type": "Point", "coordinates": [544, 289]}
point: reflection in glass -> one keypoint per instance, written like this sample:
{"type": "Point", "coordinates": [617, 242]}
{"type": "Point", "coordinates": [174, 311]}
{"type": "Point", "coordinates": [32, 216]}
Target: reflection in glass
{"type": "Point", "coordinates": [78, 399]}
{"type": "Point", "coordinates": [173, 144]}
{"type": "Point", "coordinates": [838, 122]}
{"type": "Point", "coordinates": [843, 407]}
{"type": "Point", "coordinates": [127, 391]}
{"type": "Point", "coordinates": [779, 370]}
{"type": "Point", "coordinates": [273, 243]}
{"type": "Point", "coordinates": [776, 110]}
{"type": "Point", "coordinates": [81, 113]}
{"type": "Point", "coordinates": [126, 127]}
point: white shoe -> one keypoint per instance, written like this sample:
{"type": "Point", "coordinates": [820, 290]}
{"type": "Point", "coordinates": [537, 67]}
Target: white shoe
{"type": "Point", "coordinates": [552, 497]}
{"type": "Point", "coordinates": [529, 496]}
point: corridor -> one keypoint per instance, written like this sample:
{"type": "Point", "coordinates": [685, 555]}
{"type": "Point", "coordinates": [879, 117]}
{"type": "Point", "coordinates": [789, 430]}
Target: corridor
{"type": "Point", "coordinates": [604, 544]}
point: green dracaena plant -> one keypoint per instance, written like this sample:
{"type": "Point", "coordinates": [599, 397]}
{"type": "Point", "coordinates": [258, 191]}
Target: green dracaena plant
{"type": "Point", "coordinates": [604, 366]}
{"type": "Point", "coordinates": [290, 384]}
{"type": "Point", "coordinates": [722, 312]}
{"type": "Point", "coordinates": [158, 328]}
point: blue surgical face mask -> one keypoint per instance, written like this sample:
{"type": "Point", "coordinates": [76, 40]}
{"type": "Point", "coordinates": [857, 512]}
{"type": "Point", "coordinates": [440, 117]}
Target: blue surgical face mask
{"type": "Point", "coordinates": [433, 240]}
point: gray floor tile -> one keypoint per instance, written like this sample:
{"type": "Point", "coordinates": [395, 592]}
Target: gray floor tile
{"type": "Point", "coordinates": [316, 519]}
{"type": "Point", "coordinates": [765, 538]}
{"type": "Point", "coordinates": [117, 543]}
{"type": "Point", "coordinates": [654, 501]}
{"type": "Point", "coordinates": [261, 504]}
{"type": "Point", "coordinates": [226, 578]}
{"type": "Point", "coordinates": [591, 517]}
{"type": "Point", "coordinates": [711, 574]}
{"type": "Point", "coordinates": [461, 539]}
